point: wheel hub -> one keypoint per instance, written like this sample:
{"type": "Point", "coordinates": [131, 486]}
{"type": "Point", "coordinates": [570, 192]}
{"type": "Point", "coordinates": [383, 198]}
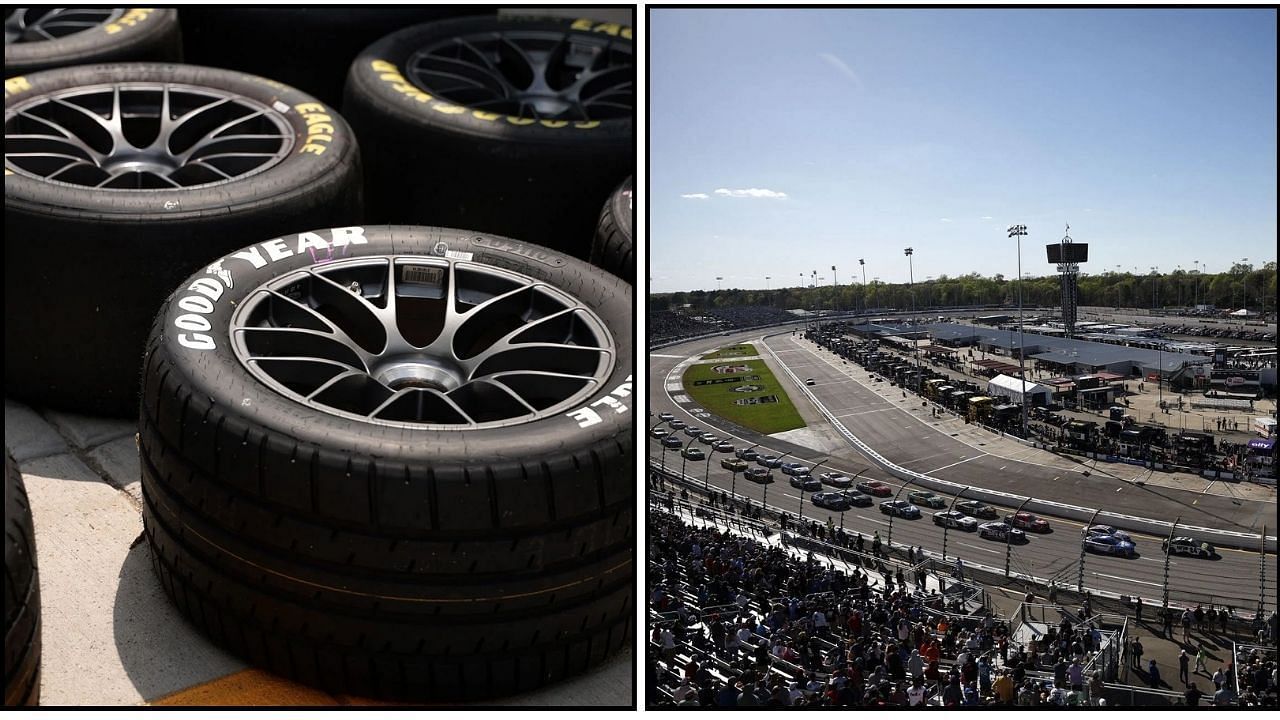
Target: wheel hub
{"type": "Point", "coordinates": [422, 372]}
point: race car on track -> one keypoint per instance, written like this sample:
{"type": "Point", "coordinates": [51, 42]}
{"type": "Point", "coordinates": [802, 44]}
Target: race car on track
{"type": "Point", "coordinates": [707, 438]}
{"type": "Point", "coordinates": [659, 432]}
{"type": "Point", "coordinates": [692, 431]}
{"type": "Point", "coordinates": [835, 480]}
{"type": "Point", "coordinates": [795, 469]}
{"type": "Point", "coordinates": [954, 519]}
{"type": "Point", "coordinates": [830, 500]}
{"type": "Point", "coordinates": [973, 508]}
{"type": "Point", "coordinates": [769, 461]}
{"type": "Point", "coordinates": [1107, 530]}
{"type": "Point", "coordinates": [805, 482]}
{"type": "Point", "coordinates": [760, 475]}
{"type": "Point", "coordinates": [693, 453]}
{"type": "Point", "coordinates": [998, 531]}
{"type": "Point", "coordinates": [1188, 546]}
{"type": "Point", "coordinates": [675, 424]}
{"type": "Point", "coordinates": [734, 465]}
{"type": "Point", "coordinates": [672, 441]}
{"type": "Point", "coordinates": [1108, 545]}
{"type": "Point", "coordinates": [666, 417]}
{"type": "Point", "coordinates": [747, 454]}
{"type": "Point", "coordinates": [857, 499]}
{"type": "Point", "coordinates": [723, 446]}
{"type": "Point", "coordinates": [875, 487]}
{"type": "Point", "coordinates": [924, 497]}
{"type": "Point", "coordinates": [1027, 521]}
{"type": "Point", "coordinates": [899, 508]}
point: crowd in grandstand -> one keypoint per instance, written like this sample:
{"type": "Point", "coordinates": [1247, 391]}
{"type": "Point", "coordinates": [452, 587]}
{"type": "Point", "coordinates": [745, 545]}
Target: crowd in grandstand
{"type": "Point", "coordinates": [673, 324]}
{"type": "Point", "coordinates": [734, 622]}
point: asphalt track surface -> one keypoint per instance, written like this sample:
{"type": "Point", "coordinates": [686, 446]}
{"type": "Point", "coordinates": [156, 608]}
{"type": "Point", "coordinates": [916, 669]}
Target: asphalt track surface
{"type": "Point", "coordinates": [905, 438]}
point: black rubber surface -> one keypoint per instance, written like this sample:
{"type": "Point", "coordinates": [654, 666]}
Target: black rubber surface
{"type": "Point", "coordinates": [613, 248]}
{"type": "Point", "coordinates": [140, 34]}
{"type": "Point", "coordinates": [430, 162]}
{"type": "Point", "coordinates": [389, 561]}
{"type": "Point", "coordinates": [307, 48]}
{"type": "Point", "coordinates": [86, 269]}
{"type": "Point", "coordinates": [21, 594]}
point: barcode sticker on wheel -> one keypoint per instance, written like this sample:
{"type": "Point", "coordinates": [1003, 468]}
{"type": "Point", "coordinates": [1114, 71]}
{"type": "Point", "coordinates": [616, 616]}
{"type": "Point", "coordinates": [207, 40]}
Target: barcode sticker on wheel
{"type": "Point", "coordinates": [417, 275]}
{"type": "Point", "coordinates": [457, 255]}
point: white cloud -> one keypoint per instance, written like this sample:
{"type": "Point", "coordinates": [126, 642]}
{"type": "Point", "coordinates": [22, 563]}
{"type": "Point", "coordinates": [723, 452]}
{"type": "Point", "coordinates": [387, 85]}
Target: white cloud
{"type": "Point", "coordinates": [986, 217]}
{"type": "Point", "coordinates": [696, 196]}
{"type": "Point", "coordinates": [842, 67]}
{"type": "Point", "coordinates": [750, 193]}
{"type": "Point", "coordinates": [944, 219]}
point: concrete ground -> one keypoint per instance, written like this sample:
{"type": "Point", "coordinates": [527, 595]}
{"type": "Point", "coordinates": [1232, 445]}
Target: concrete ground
{"type": "Point", "coordinates": [110, 635]}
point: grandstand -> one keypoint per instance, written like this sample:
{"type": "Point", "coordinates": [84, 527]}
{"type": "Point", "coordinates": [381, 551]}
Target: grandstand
{"type": "Point", "coordinates": [738, 617]}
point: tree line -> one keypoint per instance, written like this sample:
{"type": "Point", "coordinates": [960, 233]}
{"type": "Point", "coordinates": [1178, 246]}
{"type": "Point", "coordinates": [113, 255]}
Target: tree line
{"type": "Point", "coordinates": [1117, 289]}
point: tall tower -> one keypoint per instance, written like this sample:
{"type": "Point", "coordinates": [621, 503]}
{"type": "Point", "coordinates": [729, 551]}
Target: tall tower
{"type": "Point", "coordinates": [1068, 255]}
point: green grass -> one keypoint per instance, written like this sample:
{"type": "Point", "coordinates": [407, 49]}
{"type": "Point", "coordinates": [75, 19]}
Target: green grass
{"type": "Point", "coordinates": [719, 398]}
{"type": "Point", "coordinates": [747, 350]}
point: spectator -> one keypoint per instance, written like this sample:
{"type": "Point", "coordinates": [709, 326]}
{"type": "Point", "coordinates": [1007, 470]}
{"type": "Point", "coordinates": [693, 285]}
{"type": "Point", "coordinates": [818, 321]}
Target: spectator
{"type": "Point", "coordinates": [1201, 656]}
{"type": "Point", "coordinates": [1184, 663]}
{"type": "Point", "coordinates": [1193, 695]}
{"type": "Point", "coordinates": [1153, 675]}
{"type": "Point", "coordinates": [1096, 689]}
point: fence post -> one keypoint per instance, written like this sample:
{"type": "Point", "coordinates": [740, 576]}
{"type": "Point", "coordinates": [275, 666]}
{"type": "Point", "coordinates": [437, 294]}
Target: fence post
{"type": "Point", "coordinates": [1168, 549]}
{"type": "Point", "coordinates": [1083, 533]}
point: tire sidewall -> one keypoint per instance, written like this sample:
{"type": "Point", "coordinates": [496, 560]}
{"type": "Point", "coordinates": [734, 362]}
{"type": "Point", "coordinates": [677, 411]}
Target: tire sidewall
{"type": "Point", "coordinates": [378, 74]}
{"type": "Point", "coordinates": [150, 25]}
{"type": "Point", "coordinates": [295, 173]}
{"type": "Point", "coordinates": [217, 374]}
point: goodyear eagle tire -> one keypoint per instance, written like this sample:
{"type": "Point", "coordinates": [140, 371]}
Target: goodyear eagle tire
{"type": "Point", "coordinates": [306, 48]}
{"type": "Point", "coordinates": [21, 594]}
{"type": "Point", "coordinates": [88, 266]}
{"type": "Point", "coordinates": [483, 123]}
{"type": "Point", "coordinates": [45, 38]}
{"type": "Point", "coordinates": [396, 461]}
{"type": "Point", "coordinates": [613, 249]}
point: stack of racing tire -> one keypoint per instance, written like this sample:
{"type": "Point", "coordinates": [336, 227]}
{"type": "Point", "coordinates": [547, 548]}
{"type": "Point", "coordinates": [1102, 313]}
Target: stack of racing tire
{"type": "Point", "coordinates": [373, 313]}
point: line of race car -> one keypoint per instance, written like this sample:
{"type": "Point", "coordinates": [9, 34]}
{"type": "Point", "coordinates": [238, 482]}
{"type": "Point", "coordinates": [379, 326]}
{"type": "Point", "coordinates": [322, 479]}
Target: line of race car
{"type": "Point", "coordinates": [963, 515]}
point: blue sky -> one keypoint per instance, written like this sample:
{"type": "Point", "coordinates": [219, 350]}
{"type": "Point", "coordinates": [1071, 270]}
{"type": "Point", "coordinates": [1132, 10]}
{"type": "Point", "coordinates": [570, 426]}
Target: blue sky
{"type": "Point", "coordinates": [839, 134]}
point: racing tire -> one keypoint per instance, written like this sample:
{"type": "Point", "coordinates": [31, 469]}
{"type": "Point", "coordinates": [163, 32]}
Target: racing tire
{"type": "Point", "coordinates": [439, 155]}
{"type": "Point", "coordinates": [613, 248]}
{"type": "Point", "coordinates": [402, 553]}
{"type": "Point", "coordinates": [21, 594]}
{"type": "Point", "coordinates": [46, 38]}
{"type": "Point", "coordinates": [88, 267]}
{"type": "Point", "coordinates": [309, 48]}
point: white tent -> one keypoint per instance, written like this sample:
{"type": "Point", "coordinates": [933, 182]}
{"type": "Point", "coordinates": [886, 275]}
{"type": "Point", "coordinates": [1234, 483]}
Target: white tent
{"type": "Point", "coordinates": [1011, 387]}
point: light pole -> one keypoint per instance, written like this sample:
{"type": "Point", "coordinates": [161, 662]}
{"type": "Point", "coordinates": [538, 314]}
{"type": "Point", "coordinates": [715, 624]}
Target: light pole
{"type": "Point", "coordinates": [896, 495]}
{"type": "Point", "coordinates": [1244, 287]}
{"type": "Point", "coordinates": [733, 488]}
{"type": "Point", "coordinates": [1155, 279]}
{"type": "Point", "coordinates": [1008, 537]}
{"type": "Point", "coordinates": [863, 264]}
{"type": "Point", "coordinates": [764, 502]}
{"type": "Point", "coordinates": [852, 480]}
{"type": "Point", "coordinates": [911, 282]}
{"type": "Point", "coordinates": [1195, 283]}
{"type": "Point", "coordinates": [835, 291]}
{"type": "Point", "coordinates": [1083, 533]}
{"type": "Point", "coordinates": [664, 447]}
{"type": "Point", "coordinates": [684, 456]}
{"type": "Point", "coordinates": [945, 526]}
{"type": "Point", "coordinates": [706, 475]}
{"type": "Point", "coordinates": [1019, 231]}
{"type": "Point", "coordinates": [718, 279]}
{"type": "Point", "coordinates": [767, 278]}
{"type": "Point", "coordinates": [811, 471]}
{"type": "Point", "coordinates": [1168, 546]}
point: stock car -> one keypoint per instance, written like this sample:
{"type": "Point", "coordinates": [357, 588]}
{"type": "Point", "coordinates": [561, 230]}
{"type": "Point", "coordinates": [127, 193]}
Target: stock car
{"type": "Point", "coordinates": [973, 508]}
{"type": "Point", "coordinates": [675, 424]}
{"type": "Point", "coordinates": [693, 453]}
{"type": "Point", "coordinates": [659, 432]}
{"type": "Point", "coordinates": [723, 446]}
{"type": "Point", "coordinates": [830, 500]}
{"type": "Point", "coordinates": [1108, 545]}
{"type": "Point", "coordinates": [955, 519]}
{"type": "Point", "coordinates": [875, 487]}
{"type": "Point", "coordinates": [734, 465]}
{"type": "Point", "coordinates": [809, 381]}
{"type": "Point", "coordinates": [692, 431]}
{"type": "Point", "coordinates": [795, 469]}
{"type": "Point", "coordinates": [857, 499]}
{"type": "Point", "coordinates": [835, 480]}
{"type": "Point", "coordinates": [806, 482]}
{"type": "Point", "coordinates": [1107, 530]}
{"type": "Point", "coordinates": [899, 508]}
{"type": "Point", "coordinates": [1189, 546]}
{"type": "Point", "coordinates": [1027, 521]}
{"type": "Point", "coordinates": [666, 416]}
{"type": "Point", "coordinates": [769, 461]}
{"type": "Point", "coordinates": [672, 441]}
{"type": "Point", "coordinates": [924, 497]}
{"type": "Point", "coordinates": [998, 530]}
{"type": "Point", "coordinates": [707, 438]}
{"type": "Point", "coordinates": [746, 454]}
{"type": "Point", "coordinates": [759, 475]}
